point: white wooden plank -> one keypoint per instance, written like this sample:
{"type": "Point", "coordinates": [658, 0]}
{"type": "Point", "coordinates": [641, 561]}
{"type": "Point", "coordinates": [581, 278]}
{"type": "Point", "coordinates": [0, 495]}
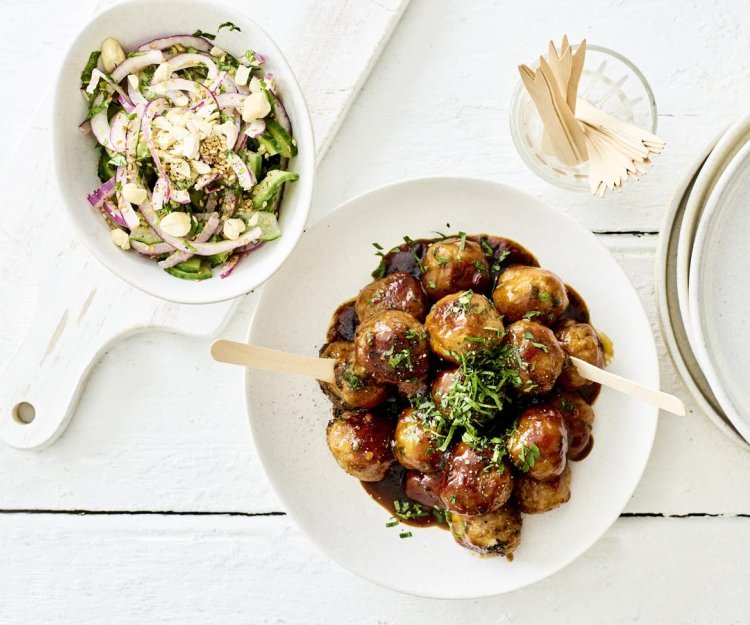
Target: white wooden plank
{"type": "Point", "coordinates": [182, 442]}
{"type": "Point", "coordinates": [262, 570]}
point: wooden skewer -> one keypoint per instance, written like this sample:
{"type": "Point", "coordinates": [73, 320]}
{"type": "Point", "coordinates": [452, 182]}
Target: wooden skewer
{"type": "Point", "coordinates": [322, 369]}
{"type": "Point", "coordinates": [665, 401]}
{"type": "Point", "coordinates": [268, 359]}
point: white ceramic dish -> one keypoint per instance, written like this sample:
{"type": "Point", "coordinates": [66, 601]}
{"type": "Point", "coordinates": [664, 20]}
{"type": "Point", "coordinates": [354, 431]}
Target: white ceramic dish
{"type": "Point", "coordinates": [720, 291]}
{"type": "Point", "coordinates": [726, 147]}
{"type": "Point", "coordinates": [288, 414]}
{"type": "Point", "coordinates": [671, 323]}
{"type": "Point", "coordinates": [133, 23]}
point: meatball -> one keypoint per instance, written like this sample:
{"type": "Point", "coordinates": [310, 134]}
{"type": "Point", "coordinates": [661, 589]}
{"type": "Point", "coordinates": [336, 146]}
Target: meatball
{"type": "Point", "coordinates": [461, 324]}
{"type": "Point", "coordinates": [392, 347]}
{"type": "Point", "coordinates": [352, 388]}
{"type": "Point", "coordinates": [361, 443]}
{"type": "Point", "coordinates": [582, 341]}
{"type": "Point", "coordinates": [523, 290]}
{"type": "Point", "coordinates": [535, 353]}
{"type": "Point", "coordinates": [497, 533]}
{"type": "Point", "coordinates": [538, 444]}
{"type": "Point", "coordinates": [442, 385]}
{"type": "Point", "coordinates": [396, 291]}
{"type": "Point", "coordinates": [579, 419]}
{"type": "Point", "coordinates": [423, 488]}
{"type": "Point", "coordinates": [454, 264]}
{"type": "Point", "coordinates": [472, 484]}
{"type": "Point", "coordinates": [535, 497]}
{"type": "Point", "coordinates": [414, 445]}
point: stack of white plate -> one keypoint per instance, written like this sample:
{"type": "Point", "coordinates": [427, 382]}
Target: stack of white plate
{"type": "Point", "coordinates": [703, 275]}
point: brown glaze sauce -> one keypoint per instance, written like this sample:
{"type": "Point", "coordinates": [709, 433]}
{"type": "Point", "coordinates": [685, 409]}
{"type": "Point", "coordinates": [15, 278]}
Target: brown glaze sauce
{"type": "Point", "coordinates": [391, 489]}
{"type": "Point", "coordinates": [407, 257]}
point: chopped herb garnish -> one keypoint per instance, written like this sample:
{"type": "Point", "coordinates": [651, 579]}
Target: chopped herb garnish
{"type": "Point", "coordinates": [528, 455]}
{"type": "Point", "coordinates": [90, 66]}
{"type": "Point", "coordinates": [230, 26]}
{"type": "Point", "coordinates": [200, 33]}
{"type": "Point", "coordinates": [531, 313]}
{"type": "Point", "coordinates": [405, 535]}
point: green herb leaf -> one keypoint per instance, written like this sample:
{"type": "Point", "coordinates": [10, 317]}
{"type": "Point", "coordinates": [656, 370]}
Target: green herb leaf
{"type": "Point", "coordinates": [230, 26]}
{"type": "Point", "coordinates": [200, 33]}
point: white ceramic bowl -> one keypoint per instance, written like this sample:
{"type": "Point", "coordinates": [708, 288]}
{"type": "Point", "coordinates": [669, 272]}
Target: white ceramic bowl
{"type": "Point", "coordinates": [288, 414]}
{"type": "Point", "coordinates": [75, 159]}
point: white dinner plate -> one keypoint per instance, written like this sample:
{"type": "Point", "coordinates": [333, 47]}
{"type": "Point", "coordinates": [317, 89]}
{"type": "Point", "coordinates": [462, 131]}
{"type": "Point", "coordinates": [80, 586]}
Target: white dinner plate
{"type": "Point", "coordinates": [720, 291]}
{"type": "Point", "coordinates": [724, 150]}
{"type": "Point", "coordinates": [673, 326]}
{"type": "Point", "coordinates": [288, 414]}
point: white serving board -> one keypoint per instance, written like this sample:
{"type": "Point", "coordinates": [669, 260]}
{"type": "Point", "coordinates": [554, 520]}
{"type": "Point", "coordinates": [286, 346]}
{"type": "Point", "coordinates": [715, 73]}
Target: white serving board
{"type": "Point", "coordinates": [81, 308]}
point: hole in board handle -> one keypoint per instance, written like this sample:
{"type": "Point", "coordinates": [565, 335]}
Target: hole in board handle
{"type": "Point", "coordinates": [24, 413]}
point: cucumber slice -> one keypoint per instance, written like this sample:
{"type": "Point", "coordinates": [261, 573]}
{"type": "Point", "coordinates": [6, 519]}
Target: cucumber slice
{"type": "Point", "coordinates": [203, 274]}
{"type": "Point", "coordinates": [192, 265]}
{"type": "Point", "coordinates": [145, 235]}
{"type": "Point", "coordinates": [267, 141]}
{"type": "Point", "coordinates": [105, 170]}
{"type": "Point", "coordinates": [217, 259]}
{"type": "Point", "coordinates": [282, 139]}
{"type": "Point", "coordinates": [268, 224]}
{"type": "Point", "coordinates": [253, 160]}
{"type": "Point", "coordinates": [264, 192]}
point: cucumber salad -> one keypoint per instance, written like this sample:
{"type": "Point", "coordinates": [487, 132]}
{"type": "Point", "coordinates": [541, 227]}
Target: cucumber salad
{"type": "Point", "coordinates": [193, 149]}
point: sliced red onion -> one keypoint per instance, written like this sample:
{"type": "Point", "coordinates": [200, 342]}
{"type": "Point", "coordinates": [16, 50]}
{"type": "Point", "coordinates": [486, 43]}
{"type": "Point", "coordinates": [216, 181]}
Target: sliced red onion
{"type": "Point", "coordinates": [85, 127]}
{"type": "Point", "coordinates": [160, 193]}
{"type": "Point", "coordinates": [99, 122]}
{"type": "Point", "coordinates": [204, 235]}
{"type": "Point", "coordinates": [186, 41]}
{"type": "Point", "coordinates": [229, 266]}
{"type": "Point", "coordinates": [118, 132]}
{"type": "Point", "coordinates": [182, 61]}
{"type": "Point", "coordinates": [154, 108]}
{"type": "Point", "coordinates": [281, 115]}
{"type": "Point", "coordinates": [270, 81]}
{"type": "Point", "coordinates": [214, 86]}
{"type": "Point", "coordinates": [244, 175]}
{"type": "Point", "coordinates": [105, 191]}
{"type": "Point", "coordinates": [134, 92]}
{"type": "Point", "coordinates": [134, 64]}
{"type": "Point", "coordinates": [114, 214]}
{"type": "Point", "coordinates": [125, 207]}
{"type": "Point", "coordinates": [255, 128]}
{"type": "Point", "coordinates": [201, 249]}
{"type": "Point", "coordinates": [241, 139]}
{"type": "Point", "coordinates": [180, 84]}
{"type": "Point", "coordinates": [126, 103]}
{"type": "Point", "coordinates": [157, 249]}
{"type": "Point", "coordinates": [230, 100]}
{"type": "Point", "coordinates": [204, 179]}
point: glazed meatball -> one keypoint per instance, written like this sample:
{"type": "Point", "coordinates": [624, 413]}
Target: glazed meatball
{"type": "Point", "coordinates": [361, 444]}
{"type": "Point", "coordinates": [535, 353]}
{"type": "Point", "coordinates": [413, 387]}
{"type": "Point", "coordinates": [442, 385]}
{"type": "Point", "coordinates": [392, 347]}
{"type": "Point", "coordinates": [582, 341]}
{"type": "Point", "coordinates": [414, 445]}
{"type": "Point", "coordinates": [423, 488]}
{"type": "Point", "coordinates": [535, 497]}
{"type": "Point", "coordinates": [396, 291]}
{"type": "Point", "coordinates": [472, 484]}
{"type": "Point", "coordinates": [579, 420]}
{"type": "Point", "coordinates": [538, 445]}
{"type": "Point", "coordinates": [523, 290]}
{"type": "Point", "coordinates": [497, 533]}
{"type": "Point", "coordinates": [461, 324]}
{"type": "Point", "coordinates": [353, 388]}
{"type": "Point", "coordinates": [454, 264]}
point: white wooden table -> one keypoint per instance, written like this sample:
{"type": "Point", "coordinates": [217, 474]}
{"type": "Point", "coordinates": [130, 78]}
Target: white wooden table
{"type": "Point", "coordinates": [153, 507]}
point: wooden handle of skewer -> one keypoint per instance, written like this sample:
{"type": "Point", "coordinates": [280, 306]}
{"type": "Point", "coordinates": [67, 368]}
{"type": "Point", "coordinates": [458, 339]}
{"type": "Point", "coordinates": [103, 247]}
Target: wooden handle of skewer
{"type": "Point", "coordinates": [268, 359]}
{"type": "Point", "coordinates": [665, 401]}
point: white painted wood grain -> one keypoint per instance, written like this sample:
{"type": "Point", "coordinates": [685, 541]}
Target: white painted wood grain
{"type": "Point", "coordinates": [262, 570]}
{"type": "Point", "coordinates": [181, 442]}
